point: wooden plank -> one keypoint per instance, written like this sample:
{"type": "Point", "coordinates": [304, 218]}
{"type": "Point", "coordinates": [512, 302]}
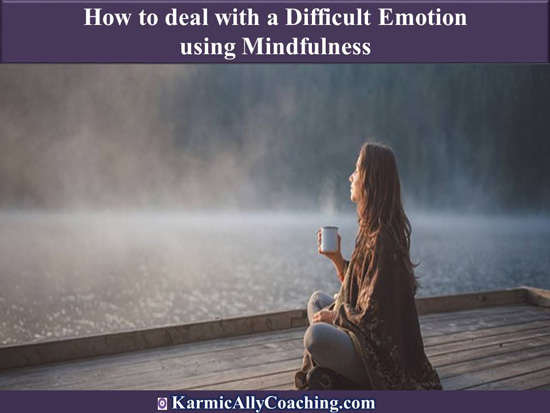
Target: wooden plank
{"type": "Point", "coordinates": [436, 328]}
{"type": "Point", "coordinates": [213, 349]}
{"type": "Point", "coordinates": [285, 386]}
{"type": "Point", "coordinates": [259, 364]}
{"type": "Point", "coordinates": [226, 377]}
{"type": "Point", "coordinates": [457, 302]}
{"type": "Point", "coordinates": [531, 380]}
{"type": "Point", "coordinates": [538, 296]}
{"type": "Point", "coordinates": [283, 379]}
{"type": "Point", "coordinates": [449, 315]}
{"type": "Point", "coordinates": [188, 367]}
{"type": "Point", "coordinates": [78, 348]}
{"type": "Point", "coordinates": [524, 309]}
{"type": "Point", "coordinates": [479, 342]}
{"type": "Point", "coordinates": [484, 332]}
{"type": "Point", "coordinates": [488, 358]}
{"type": "Point", "coordinates": [159, 355]}
{"type": "Point", "coordinates": [494, 313]}
{"type": "Point", "coordinates": [501, 310]}
{"type": "Point", "coordinates": [473, 379]}
{"type": "Point", "coordinates": [265, 381]}
{"type": "Point", "coordinates": [145, 364]}
{"type": "Point", "coordinates": [167, 379]}
{"type": "Point", "coordinates": [473, 355]}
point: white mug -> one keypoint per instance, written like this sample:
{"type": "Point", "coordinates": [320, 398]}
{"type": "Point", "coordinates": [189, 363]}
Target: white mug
{"type": "Point", "coordinates": [329, 239]}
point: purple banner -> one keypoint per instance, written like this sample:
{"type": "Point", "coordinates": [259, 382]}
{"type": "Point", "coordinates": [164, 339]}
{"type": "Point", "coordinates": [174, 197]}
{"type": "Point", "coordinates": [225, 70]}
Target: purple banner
{"type": "Point", "coordinates": [275, 32]}
{"type": "Point", "coordinates": [271, 401]}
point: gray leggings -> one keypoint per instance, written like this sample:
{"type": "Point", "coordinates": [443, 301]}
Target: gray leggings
{"type": "Point", "coordinates": [331, 347]}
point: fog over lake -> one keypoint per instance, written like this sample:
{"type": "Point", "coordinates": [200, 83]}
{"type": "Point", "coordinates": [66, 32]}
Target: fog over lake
{"type": "Point", "coordinates": [66, 275]}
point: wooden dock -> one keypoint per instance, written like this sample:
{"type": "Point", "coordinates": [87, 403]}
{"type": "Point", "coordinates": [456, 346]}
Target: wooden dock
{"type": "Point", "coordinates": [483, 341]}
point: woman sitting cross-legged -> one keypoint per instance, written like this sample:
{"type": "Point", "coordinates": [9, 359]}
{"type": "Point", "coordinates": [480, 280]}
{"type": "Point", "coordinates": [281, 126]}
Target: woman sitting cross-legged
{"type": "Point", "coordinates": [369, 336]}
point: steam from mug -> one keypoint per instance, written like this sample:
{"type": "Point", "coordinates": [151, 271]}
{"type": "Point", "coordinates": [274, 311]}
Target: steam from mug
{"type": "Point", "coordinates": [329, 239]}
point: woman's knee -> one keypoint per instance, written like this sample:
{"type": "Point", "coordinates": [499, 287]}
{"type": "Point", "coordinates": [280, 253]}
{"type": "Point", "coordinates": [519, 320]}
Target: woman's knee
{"type": "Point", "coordinates": [315, 338]}
{"type": "Point", "coordinates": [319, 300]}
{"type": "Point", "coordinates": [315, 297]}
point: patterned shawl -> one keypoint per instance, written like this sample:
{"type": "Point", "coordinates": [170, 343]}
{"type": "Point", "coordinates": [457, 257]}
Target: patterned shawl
{"type": "Point", "coordinates": [378, 311]}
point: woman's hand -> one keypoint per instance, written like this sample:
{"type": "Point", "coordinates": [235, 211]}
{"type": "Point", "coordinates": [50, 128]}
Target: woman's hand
{"type": "Point", "coordinates": [333, 256]}
{"type": "Point", "coordinates": [325, 316]}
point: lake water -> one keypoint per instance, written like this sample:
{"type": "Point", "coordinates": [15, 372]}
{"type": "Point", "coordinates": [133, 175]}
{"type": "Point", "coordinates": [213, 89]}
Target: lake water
{"type": "Point", "coordinates": [67, 275]}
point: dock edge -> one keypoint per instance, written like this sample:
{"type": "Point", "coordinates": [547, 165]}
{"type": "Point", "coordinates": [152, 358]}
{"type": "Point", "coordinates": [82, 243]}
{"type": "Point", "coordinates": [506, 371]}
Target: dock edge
{"type": "Point", "coordinates": [101, 345]}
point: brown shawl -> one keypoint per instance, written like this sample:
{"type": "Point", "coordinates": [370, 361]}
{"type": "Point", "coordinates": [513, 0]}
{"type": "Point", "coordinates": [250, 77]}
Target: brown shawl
{"type": "Point", "coordinates": [378, 311]}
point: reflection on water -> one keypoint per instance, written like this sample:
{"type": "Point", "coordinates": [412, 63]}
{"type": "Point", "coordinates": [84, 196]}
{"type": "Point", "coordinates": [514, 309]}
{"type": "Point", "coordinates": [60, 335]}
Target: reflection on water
{"type": "Point", "coordinates": [83, 274]}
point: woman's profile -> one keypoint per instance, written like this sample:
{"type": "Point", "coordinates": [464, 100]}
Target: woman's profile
{"type": "Point", "coordinates": [369, 336]}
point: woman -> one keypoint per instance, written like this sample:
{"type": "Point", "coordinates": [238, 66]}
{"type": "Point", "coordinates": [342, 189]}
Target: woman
{"type": "Point", "coordinates": [370, 336]}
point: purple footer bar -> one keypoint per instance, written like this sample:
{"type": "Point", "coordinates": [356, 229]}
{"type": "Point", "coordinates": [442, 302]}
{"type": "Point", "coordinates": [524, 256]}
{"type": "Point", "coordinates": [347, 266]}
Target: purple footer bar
{"type": "Point", "coordinates": [411, 31]}
{"type": "Point", "coordinates": [266, 401]}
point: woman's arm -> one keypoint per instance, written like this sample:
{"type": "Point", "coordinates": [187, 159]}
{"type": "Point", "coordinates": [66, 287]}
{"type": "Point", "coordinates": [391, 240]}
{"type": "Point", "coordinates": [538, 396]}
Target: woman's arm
{"type": "Point", "coordinates": [341, 265]}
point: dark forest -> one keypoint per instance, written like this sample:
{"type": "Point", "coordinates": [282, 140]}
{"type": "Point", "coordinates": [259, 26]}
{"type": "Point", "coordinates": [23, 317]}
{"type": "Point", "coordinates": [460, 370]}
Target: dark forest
{"type": "Point", "coordinates": [467, 138]}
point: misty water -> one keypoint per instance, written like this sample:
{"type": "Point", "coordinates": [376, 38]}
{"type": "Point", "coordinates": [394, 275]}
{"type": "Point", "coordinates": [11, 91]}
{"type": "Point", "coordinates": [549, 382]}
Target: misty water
{"type": "Point", "coordinates": [68, 275]}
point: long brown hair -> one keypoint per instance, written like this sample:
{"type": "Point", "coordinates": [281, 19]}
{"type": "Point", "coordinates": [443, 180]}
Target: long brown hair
{"type": "Point", "coordinates": [379, 208]}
